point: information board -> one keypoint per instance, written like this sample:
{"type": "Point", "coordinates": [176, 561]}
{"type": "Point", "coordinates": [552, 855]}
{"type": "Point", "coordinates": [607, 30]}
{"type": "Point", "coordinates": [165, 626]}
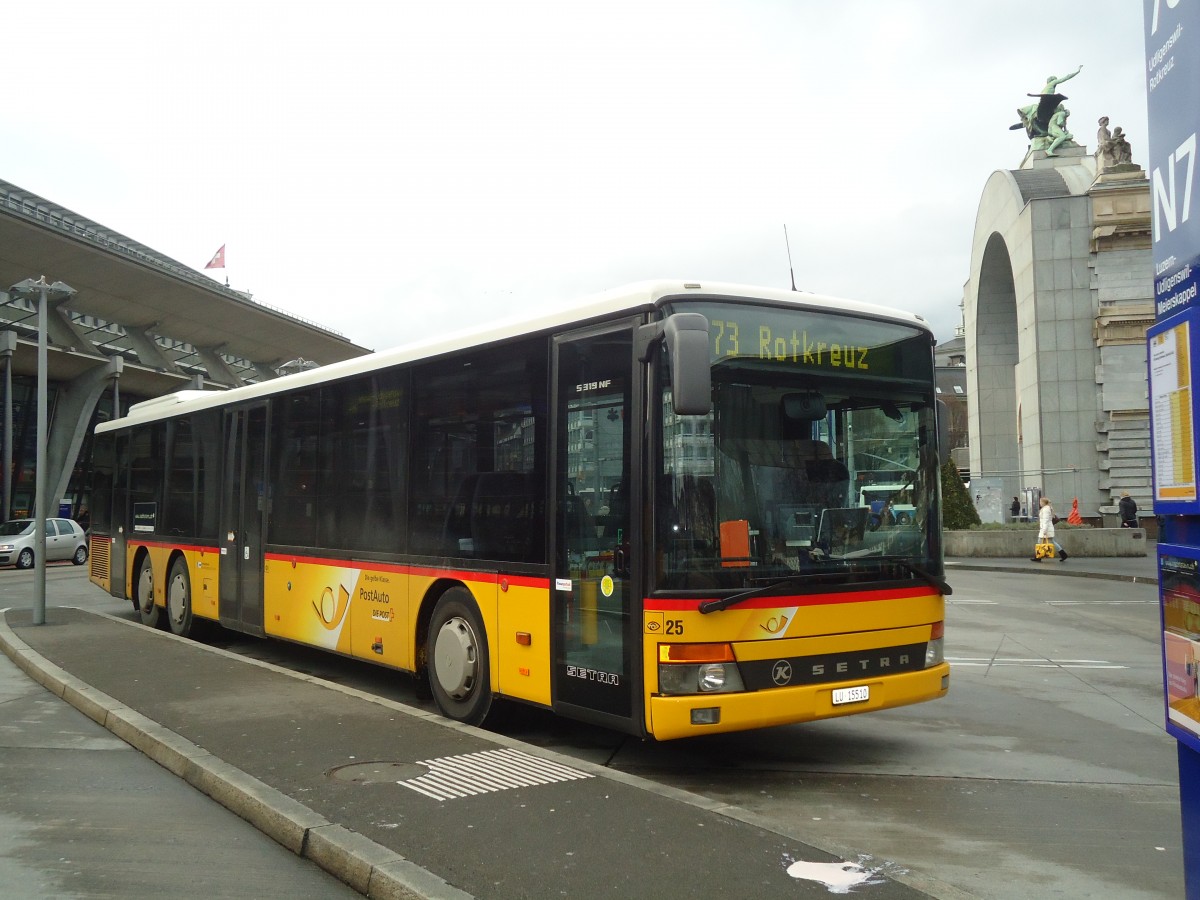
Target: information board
{"type": "Point", "coordinates": [1171, 347]}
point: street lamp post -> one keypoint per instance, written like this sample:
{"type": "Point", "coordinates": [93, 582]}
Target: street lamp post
{"type": "Point", "coordinates": [8, 346]}
{"type": "Point", "coordinates": [28, 288]}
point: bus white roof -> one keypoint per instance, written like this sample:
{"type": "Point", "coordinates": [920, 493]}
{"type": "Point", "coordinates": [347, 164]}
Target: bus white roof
{"type": "Point", "coordinates": [630, 299]}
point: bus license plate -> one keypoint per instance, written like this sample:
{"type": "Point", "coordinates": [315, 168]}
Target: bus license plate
{"type": "Point", "coordinates": [851, 695]}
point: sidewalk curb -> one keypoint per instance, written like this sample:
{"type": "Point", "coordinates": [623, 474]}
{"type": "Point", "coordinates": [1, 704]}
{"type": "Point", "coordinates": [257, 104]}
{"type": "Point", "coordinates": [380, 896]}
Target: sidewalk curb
{"type": "Point", "coordinates": [1023, 570]}
{"type": "Point", "coordinates": [367, 867]}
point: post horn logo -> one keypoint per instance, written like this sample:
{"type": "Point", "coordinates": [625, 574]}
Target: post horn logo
{"type": "Point", "coordinates": [329, 611]}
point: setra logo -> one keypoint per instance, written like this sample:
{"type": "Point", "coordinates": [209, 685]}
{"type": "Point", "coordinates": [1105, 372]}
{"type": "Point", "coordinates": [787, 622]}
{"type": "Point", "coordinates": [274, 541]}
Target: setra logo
{"type": "Point", "coordinates": [781, 672]}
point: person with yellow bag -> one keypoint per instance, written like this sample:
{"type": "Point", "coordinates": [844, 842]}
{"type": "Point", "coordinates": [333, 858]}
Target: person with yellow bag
{"type": "Point", "coordinates": [1047, 546]}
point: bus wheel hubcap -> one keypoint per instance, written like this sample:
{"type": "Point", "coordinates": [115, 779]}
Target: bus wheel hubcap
{"type": "Point", "coordinates": [177, 599]}
{"type": "Point", "coordinates": [454, 658]}
{"type": "Point", "coordinates": [146, 591]}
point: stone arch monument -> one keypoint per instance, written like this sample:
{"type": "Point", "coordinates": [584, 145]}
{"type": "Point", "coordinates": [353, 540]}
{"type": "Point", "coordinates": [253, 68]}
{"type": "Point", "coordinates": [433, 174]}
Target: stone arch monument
{"type": "Point", "coordinates": [1055, 314]}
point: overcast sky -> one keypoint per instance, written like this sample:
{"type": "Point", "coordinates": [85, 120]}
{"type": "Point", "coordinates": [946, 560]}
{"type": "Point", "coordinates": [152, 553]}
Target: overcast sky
{"type": "Point", "coordinates": [393, 169]}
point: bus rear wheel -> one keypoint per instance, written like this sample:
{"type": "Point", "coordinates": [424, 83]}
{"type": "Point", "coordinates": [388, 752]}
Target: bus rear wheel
{"type": "Point", "coordinates": [179, 599]}
{"type": "Point", "coordinates": [458, 659]}
{"type": "Point", "coordinates": [144, 594]}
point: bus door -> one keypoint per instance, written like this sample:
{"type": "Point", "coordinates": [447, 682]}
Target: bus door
{"type": "Point", "coordinates": [118, 518]}
{"type": "Point", "coordinates": [244, 501]}
{"type": "Point", "coordinates": [593, 627]}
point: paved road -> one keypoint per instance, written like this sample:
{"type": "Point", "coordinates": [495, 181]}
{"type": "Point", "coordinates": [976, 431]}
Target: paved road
{"type": "Point", "coordinates": [1011, 787]}
{"type": "Point", "coordinates": [1046, 771]}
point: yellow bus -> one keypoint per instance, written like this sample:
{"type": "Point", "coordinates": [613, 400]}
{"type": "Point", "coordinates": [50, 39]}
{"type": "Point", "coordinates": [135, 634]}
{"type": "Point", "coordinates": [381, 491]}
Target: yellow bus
{"type": "Point", "coordinates": [640, 511]}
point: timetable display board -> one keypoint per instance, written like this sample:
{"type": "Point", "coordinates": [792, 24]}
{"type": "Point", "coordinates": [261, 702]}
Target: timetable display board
{"type": "Point", "coordinates": [1179, 594]}
{"type": "Point", "coordinates": [1172, 347]}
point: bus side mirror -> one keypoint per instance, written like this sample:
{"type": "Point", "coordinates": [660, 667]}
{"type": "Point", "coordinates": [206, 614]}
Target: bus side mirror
{"type": "Point", "coordinates": [686, 335]}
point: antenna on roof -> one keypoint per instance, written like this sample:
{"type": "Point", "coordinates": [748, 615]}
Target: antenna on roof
{"type": "Point", "coordinates": [787, 244]}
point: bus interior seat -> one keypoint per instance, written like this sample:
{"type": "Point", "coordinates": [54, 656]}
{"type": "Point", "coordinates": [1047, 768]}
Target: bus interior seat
{"type": "Point", "coordinates": [502, 515]}
{"type": "Point", "coordinates": [491, 516]}
{"type": "Point", "coordinates": [456, 528]}
{"type": "Point", "coordinates": [576, 520]}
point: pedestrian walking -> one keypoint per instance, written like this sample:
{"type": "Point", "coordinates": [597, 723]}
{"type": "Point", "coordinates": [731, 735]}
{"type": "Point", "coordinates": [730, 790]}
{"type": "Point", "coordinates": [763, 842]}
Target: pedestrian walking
{"type": "Point", "coordinates": [1128, 510]}
{"type": "Point", "coordinates": [1046, 522]}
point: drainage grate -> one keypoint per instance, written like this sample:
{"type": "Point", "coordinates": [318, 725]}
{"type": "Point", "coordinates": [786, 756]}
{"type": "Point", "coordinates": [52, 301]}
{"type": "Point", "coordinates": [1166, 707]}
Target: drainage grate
{"type": "Point", "coordinates": [452, 777]}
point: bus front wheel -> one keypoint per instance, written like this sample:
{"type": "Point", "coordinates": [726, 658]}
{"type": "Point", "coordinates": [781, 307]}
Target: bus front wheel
{"type": "Point", "coordinates": [179, 599]}
{"type": "Point", "coordinates": [458, 659]}
{"type": "Point", "coordinates": [145, 594]}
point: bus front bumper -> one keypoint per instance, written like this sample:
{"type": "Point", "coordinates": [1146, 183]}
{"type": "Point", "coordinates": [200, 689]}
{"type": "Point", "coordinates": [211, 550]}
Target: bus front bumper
{"type": "Point", "coordinates": [678, 716]}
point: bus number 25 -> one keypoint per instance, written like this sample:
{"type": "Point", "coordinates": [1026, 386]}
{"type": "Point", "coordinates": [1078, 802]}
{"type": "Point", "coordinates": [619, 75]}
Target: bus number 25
{"type": "Point", "coordinates": [674, 626]}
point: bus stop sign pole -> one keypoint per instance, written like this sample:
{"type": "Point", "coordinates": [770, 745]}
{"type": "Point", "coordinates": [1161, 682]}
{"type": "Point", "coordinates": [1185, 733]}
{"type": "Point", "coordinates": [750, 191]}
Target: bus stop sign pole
{"type": "Point", "coordinates": [1172, 74]}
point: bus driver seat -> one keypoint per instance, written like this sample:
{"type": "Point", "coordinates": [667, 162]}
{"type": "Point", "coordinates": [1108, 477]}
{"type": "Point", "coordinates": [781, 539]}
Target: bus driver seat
{"type": "Point", "coordinates": [828, 478]}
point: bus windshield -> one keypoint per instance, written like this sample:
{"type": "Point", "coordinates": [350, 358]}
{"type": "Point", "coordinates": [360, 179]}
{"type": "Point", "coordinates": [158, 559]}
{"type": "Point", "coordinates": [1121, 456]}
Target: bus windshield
{"type": "Point", "coordinates": [818, 458]}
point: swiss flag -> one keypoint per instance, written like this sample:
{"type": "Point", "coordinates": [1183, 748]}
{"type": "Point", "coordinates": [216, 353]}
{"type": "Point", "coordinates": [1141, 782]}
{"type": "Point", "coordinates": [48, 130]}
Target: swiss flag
{"type": "Point", "coordinates": [218, 260]}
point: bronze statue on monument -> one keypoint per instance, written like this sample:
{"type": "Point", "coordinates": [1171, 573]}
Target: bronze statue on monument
{"type": "Point", "coordinates": [1046, 120]}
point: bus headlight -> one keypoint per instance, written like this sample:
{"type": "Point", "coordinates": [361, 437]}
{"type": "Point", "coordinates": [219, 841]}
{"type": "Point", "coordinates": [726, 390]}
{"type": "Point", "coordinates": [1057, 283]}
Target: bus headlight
{"type": "Point", "coordinates": [706, 678]}
{"type": "Point", "coordinates": [935, 650]}
{"type": "Point", "coordinates": [698, 669]}
{"type": "Point", "coordinates": [717, 677]}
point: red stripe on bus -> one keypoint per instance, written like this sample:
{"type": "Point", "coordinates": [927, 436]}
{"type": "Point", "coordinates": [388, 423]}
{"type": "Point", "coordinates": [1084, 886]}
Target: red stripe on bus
{"type": "Point", "coordinates": [659, 604]}
{"type": "Point", "coordinates": [295, 558]}
{"type": "Point", "coordinates": [195, 548]}
{"type": "Point", "coordinates": [527, 581]}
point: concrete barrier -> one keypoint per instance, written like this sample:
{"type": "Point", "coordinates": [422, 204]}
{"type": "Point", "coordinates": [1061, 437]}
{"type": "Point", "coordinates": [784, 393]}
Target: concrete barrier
{"type": "Point", "coordinates": [1000, 543]}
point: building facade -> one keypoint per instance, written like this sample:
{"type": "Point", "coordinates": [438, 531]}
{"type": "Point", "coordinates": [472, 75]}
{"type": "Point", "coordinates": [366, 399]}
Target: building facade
{"type": "Point", "coordinates": [1055, 314]}
{"type": "Point", "coordinates": [123, 323]}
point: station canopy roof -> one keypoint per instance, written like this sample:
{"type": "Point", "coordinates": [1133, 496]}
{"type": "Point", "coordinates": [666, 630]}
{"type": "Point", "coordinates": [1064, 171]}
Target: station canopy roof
{"type": "Point", "coordinates": [172, 326]}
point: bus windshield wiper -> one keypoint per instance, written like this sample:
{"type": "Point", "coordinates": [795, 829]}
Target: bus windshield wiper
{"type": "Point", "coordinates": [921, 572]}
{"type": "Point", "coordinates": [720, 603]}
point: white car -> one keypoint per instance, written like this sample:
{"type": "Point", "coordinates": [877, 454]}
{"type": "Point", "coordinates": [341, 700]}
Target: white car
{"type": "Point", "coordinates": [65, 539]}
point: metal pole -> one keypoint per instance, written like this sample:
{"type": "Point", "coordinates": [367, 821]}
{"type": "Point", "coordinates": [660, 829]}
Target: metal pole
{"type": "Point", "coordinates": [39, 494]}
{"type": "Point", "coordinates": [8, 441]}
{"type": "Point", "coordinates": [62, 291]}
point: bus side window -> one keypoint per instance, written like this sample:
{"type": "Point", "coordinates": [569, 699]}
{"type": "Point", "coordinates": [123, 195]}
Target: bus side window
{"type": "Point", "coordinates": [502, 514]}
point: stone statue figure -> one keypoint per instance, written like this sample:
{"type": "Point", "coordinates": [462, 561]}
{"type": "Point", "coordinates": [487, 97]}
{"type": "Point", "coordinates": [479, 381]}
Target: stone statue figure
{"type": "Point", "coordinates": [1035, 118]}
{"type": "Point", "coordinates": [1122, 153]}
{"type": "Point", "coordinates": [1104, 157]}
{"type": "Point", "coordinates": [1112, 149]}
